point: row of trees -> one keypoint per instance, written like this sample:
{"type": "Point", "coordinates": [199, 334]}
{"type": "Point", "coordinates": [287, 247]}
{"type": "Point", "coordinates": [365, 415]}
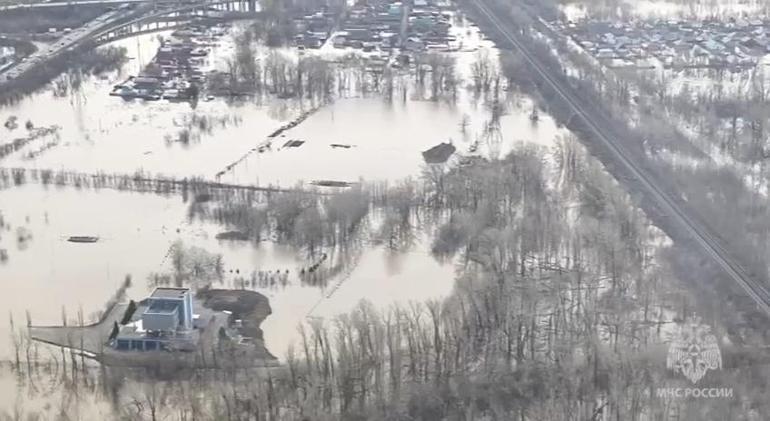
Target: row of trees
{"type": "Point", "coordinates": [252, 69]}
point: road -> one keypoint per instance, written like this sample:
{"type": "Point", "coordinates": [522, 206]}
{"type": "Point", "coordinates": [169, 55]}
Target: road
{"type": "Point", "coordinates": [42, 5]}
{"type": "Point", "coordinates": [699, 233]}
{"type": "Point", "coordinates": [67, 41]}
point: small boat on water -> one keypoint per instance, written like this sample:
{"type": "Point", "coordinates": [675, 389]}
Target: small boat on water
{"type": "Point", "coordinates": [331, 183]}
{"type": "Point", "coordinates": [82, 239]}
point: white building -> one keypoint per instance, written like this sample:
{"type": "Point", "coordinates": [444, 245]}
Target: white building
{"type": "Point", "coordinates": [169, 310]}
{"type": "Point", "coordinates": [166, 322]}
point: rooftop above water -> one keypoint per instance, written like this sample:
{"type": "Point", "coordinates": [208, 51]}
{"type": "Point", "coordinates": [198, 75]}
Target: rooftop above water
{"type": "Point", "coordinates": [167, 292]}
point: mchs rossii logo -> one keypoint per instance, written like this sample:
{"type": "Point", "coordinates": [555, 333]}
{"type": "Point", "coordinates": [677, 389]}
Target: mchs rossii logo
{"type": "Point", "coordinates": [693, 352]}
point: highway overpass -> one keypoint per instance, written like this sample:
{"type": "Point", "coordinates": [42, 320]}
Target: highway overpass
{"type": "Point", "coordinates": [51, 4]}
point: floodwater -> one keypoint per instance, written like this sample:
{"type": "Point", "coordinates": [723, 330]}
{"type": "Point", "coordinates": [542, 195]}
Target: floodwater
{"type": "Point", "coordinates": [136, 230]}
{"type": "Point", "coordinates": [386, 140]}
{"type": "Point", "coordinates": [99, 132]}
{"type": "Point", "coordinates": [45, 274]}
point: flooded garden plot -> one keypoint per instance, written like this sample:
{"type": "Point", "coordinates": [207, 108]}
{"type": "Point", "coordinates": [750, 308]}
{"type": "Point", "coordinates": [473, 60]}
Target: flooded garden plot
{"type": "Point", "coordinates": [374, 138]}
{"type": "Point", "coordinates": [368, 138]}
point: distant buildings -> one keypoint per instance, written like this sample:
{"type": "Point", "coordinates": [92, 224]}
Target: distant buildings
{"type": "Point", "coordinates": [692, 44]}
{"type": "Point", "coordinates": [176, 67]}
{"type": "Point", "coordinates": [313, 29]}
{"type": "Point", "coordinates": [165, 322]}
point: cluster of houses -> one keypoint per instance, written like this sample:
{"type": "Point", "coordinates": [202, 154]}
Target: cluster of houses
{"type": "Point", "coordinates": [428, 27]}
{"type": "Point", "coordinates": [379, 25]}
{"type": "Point", "coordinates": [176, 72]}
{"type": "Point", "coordinates": [372, 25]}
{"type": "Point", "coordinates": [734, 44]}
{"type": "Point", "coordinates": [313, 29]}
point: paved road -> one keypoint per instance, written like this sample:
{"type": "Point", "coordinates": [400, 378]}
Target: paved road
{"type": "Point", "coordinates": [67, 41]}
{"type": "Point", "coordinates": [41, 5]}
{"type": "Point", "coordinates": [699, 233]}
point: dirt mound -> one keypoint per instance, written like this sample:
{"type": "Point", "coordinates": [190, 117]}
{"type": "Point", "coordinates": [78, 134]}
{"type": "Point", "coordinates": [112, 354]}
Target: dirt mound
{"type": "Point", "coordinates": [249, 306]}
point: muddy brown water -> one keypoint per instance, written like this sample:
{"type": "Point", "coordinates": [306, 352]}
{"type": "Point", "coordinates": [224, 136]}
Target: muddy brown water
{"type": "Point", "coordinates": [45, 273]}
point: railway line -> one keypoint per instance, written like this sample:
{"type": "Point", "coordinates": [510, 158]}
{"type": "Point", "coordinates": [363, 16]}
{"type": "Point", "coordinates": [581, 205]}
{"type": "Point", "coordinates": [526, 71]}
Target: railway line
{"type": "Point", "coordinates": [698, 233]}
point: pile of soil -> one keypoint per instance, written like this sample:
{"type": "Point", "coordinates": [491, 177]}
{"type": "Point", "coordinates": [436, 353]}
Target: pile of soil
{"type": "Point", "coordinates": [249, 306]}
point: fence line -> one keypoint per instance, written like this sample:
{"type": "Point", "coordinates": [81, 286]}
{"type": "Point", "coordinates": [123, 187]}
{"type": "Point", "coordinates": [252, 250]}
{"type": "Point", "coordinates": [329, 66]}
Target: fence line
{"type": "Point", "coordinates": [139, 182]}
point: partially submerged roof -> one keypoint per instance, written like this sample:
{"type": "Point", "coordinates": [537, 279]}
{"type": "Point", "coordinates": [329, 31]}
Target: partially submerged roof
{"type": "Point", "coordinates": [168, 292]}
{"type": "Point", "coordinates": [439, 153]}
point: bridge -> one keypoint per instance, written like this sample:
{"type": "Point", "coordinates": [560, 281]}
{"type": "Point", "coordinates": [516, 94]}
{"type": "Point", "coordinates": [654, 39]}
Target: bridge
{"type": "Point", "coordinates": [52, 4]}
{"type": "Point", "coordinates": [175, 17]}
{"type": "Point", "coordinates": [121, 23]}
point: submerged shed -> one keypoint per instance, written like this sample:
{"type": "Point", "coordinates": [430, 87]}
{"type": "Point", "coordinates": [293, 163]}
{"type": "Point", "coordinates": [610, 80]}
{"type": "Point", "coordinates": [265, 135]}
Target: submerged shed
{"type": "Point", "coordinates": [439, 153]}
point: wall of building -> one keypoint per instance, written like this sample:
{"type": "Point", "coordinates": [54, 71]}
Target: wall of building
{"type": "Point", "coordinates": [139, 345]}
{"type": "Point", "coordinates": [188, 311]}
{"type": "Point", "coordinates": [161, 321]}
{"type": "Point", "coordinates": [185, 310]}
